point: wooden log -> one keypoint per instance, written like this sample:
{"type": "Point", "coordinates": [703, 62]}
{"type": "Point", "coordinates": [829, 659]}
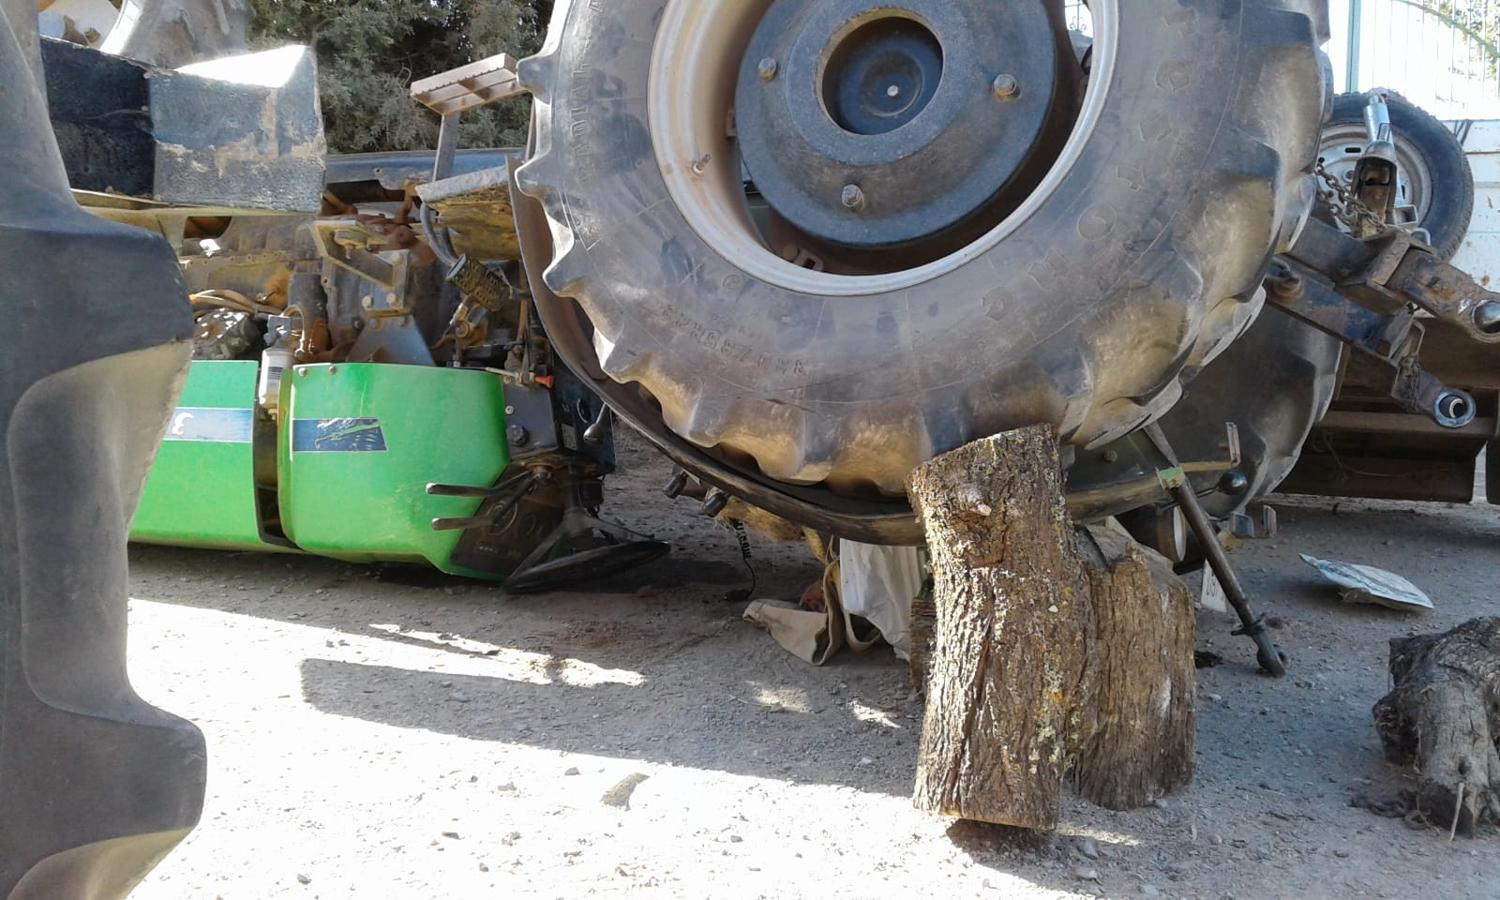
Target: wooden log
{"type": "Point", "coordinates": [1442, 718]}
{"type": "Point", "coordinates": [1007, 651]}
{"type": "Point", "coordinates": [1055, 653]}
{"type": "Point", "coordinates": [1136, 718]}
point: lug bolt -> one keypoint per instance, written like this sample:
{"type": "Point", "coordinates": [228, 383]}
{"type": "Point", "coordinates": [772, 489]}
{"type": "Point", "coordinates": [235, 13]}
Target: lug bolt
{"type": "Point", "coordinates": [1487, 317]}
{"type": "Point", "coordinates": [853, 198]}
{"type": "Point", "coordinates": [518, 435]}
{"type": "Point", "coordinates": [715, 503]}
{"type": "Point", "coordinates": [1006, 87]}
{"type": "Point", "coordinates": [767, 69]}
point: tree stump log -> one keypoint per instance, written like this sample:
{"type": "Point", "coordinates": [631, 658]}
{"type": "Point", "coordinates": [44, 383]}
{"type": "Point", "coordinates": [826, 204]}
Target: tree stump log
{"type": "Point", "coordinates": [1443, 719]}
{"type": "Point", "coordinates": [1054, 654]}
{"type": "Point", "coordinates": [1137, 715]}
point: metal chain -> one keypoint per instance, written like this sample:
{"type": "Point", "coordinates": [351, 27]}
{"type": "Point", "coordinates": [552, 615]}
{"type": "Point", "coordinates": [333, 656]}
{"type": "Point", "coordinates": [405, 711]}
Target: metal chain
{"type": "Point", "coordinates": [1348, 208]}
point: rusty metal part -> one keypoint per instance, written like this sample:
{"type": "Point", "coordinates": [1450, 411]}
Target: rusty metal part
{"type": "Point", "coordinates": [475, 207]}
{"type": "Point", "coordinates": [1393, 271]}
{"type": "Point", "coordinates": [1376, 175]}
{"type": "Point", "coordinates": [1366, 446]}
{"type": "Point", "coordinates": [1367, 292]}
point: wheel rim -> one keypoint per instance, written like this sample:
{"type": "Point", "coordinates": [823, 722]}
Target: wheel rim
{"type": "Point", "coordinates": [709, 45]}
{"type": "Point", "coordinates": [1341, 148]}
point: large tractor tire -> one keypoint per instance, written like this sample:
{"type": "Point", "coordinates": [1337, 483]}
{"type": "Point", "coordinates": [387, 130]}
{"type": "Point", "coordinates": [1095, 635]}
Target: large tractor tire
{"type": "Point", "coordinates": [1001, 252]}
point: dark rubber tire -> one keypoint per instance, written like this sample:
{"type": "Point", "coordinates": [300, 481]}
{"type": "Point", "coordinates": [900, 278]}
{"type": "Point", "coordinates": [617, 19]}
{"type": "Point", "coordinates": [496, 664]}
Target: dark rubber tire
{"type": "Point", "coordinates": [1274, 384]}
{"type": "Point", "coordinates": [1144, 263]}
{"type": "Point", "coordinates": [1450, 207]}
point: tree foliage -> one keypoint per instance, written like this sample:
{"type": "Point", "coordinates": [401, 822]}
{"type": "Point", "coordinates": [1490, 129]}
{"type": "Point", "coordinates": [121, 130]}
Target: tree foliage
{"type": "Point", "coordinates": [369, 52]}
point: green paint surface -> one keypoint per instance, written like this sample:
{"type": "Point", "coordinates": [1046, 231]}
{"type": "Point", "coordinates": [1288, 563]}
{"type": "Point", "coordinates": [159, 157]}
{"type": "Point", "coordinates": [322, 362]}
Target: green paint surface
{"type": "Point", "coordinates": [201, 493]}
{"type": "Point", "coordinates": [366, 499]}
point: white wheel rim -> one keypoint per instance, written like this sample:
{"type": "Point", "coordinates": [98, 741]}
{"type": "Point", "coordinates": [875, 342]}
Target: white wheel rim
{"type": "Point", "coordinates": [700, 43]}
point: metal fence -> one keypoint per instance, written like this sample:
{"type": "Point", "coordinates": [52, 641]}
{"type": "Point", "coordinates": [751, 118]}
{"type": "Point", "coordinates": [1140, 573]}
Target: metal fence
{"type": "Point", "coordinates": [1443, 55]}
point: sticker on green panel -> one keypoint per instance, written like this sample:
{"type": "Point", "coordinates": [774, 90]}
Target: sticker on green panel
{"type": "Point", "coordinates": [211, 425]}
{"type": "Point", "coordinates": [337, 436]}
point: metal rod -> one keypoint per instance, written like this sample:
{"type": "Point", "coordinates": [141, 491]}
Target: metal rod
{"type": "Point", "coordinates": [1351, 72]}
{"type": "Point", "coordinates": [1181, 489]}
{"type": "Point", "coordinates": [447, 148]}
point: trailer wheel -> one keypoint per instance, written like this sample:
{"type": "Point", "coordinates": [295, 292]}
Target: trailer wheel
{"type": "Point", "coordinates": [1436, 186]}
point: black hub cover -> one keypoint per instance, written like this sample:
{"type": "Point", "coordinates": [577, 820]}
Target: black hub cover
{"type": "Point", "coordinates": [878, 124]}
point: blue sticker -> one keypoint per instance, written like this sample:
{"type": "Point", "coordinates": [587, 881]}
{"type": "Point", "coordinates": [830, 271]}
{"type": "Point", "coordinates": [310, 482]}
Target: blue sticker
{"type": "Point", "coordinates": [337, 436]}
{"type": "Point", "coordinates": [211, 425]}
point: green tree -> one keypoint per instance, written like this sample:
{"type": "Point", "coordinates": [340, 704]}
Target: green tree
{"type": "Point", "coordinates": [369, 52]}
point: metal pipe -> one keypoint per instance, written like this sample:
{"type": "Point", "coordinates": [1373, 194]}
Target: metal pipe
{"type": "Point", "coordinates": [1271, 660]}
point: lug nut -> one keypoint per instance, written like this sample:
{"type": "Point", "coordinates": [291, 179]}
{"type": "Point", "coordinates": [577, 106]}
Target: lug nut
{"type": "Point", "coordinates": [1233, 483]}
{"type": "Point", "coordinates": [1006, 87]}
{"type": "Point", "coordinates": [1487, 317]}
{"type": "Point", "coordinates": [853, 198]}
{"type": "Point", "coordinates": [518, 435]}
{"type": "Point", "coordinates": [677, 485]}
{"type": "Point", "coordinates": [767, 69]}
{"type": "Point", "coordinates": [715, 503]}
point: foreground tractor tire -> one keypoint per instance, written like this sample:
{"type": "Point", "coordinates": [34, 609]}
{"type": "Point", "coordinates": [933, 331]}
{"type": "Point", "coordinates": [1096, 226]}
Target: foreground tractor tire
{"type": "Point", "coordinates": [1125, 251]}
{"type": "Point", "coordinates": [97, 785]}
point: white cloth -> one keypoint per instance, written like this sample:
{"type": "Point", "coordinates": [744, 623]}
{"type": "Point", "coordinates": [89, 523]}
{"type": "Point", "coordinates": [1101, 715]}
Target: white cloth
{"type": "Point", "coordinates": [878, 584]}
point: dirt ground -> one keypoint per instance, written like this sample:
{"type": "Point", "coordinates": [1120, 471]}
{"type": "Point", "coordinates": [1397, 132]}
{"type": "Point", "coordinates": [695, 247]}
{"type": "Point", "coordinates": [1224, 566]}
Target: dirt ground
{"type": "Point", "coordinates": [400, 735]}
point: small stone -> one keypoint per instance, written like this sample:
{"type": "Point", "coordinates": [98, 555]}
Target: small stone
{"type": "Point", "coordinates": [1088, 849]}
{"type": "Point", "coordinates": [736, 839]}
{"type": "Point", "coordinates": [510, 839]}
{"type": "Point", "coordinates": [1150, 890]}
{"type": "Point", "coordinates": [1084, 873]}
{"type": "Point", "coordinates": [304, 879]}
{"type": "Point", "coordinates": [508, 787]}
{"type": "Point", "coordinates": [1159, 803]}
{"type": "Point", "coordinates": [451, 835]}
{"type": "Point", "coordinates": [1341, 853]}
{"type": "Point", "coordinates": [572, 770]}
{"type": "Point", "coordinates": [459, 697]}
{"type": "Point", "coordinates": [1217, 698]}
{"type": "Point", "coordinates": [483, 867]}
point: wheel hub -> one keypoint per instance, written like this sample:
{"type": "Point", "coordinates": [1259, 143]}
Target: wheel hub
{"type": "Point", "coordinates": [874, 124]}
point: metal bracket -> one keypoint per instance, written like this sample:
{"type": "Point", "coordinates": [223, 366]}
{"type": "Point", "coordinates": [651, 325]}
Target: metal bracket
{"type": "Point", "coordinates": [1363, 293]}
{"type": "Point", "coordinates": [1376, 173]}
{"type": "Point", "coordinates": [452, 93]}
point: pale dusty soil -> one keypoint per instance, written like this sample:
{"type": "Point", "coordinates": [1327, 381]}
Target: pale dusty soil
{"type": "Point", "coordinates": [400, 735]}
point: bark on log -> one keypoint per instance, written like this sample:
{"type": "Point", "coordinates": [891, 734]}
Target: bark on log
{"type": "Point", "coordinates": [1008, 646]}
{"type": "Point", "coordinates": [1443, 719]}
{"type": "Point", "coordinates": [1136, 728]}
{"type": "Point", "coordinates": [1054, 652]}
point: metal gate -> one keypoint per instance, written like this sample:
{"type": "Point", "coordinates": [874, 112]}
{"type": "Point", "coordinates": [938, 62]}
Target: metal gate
{"type": "Point", "coordinates": [1443, 55]}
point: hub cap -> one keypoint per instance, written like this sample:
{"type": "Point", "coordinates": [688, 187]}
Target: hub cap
{"type": "Point", "coordinates": [875, 124]}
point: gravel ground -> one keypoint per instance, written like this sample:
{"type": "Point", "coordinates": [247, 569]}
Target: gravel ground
{"type": "Point", "coordinates": [396, 734]}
